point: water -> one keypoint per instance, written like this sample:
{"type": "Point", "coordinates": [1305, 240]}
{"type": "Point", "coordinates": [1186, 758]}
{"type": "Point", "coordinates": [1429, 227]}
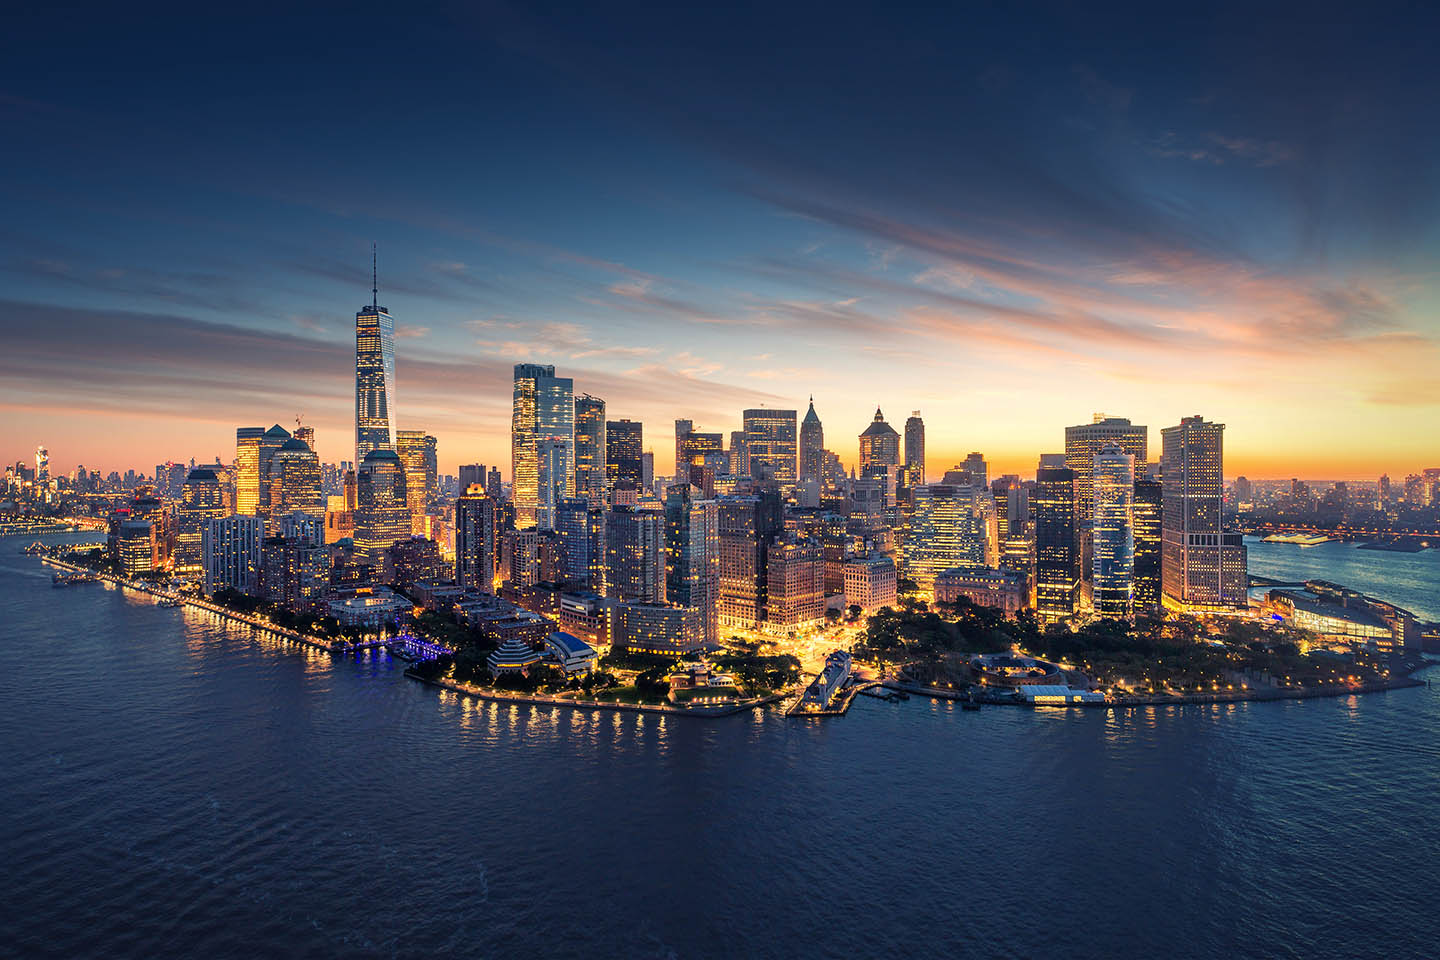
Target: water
{"type": "Point", "coordinates": [176, 788]}
{"type": "Point", "coordinates": [1411, 580]}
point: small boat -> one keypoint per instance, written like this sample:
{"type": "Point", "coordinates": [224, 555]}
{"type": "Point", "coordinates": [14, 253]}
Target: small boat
{"type": "Point", "coordinates": [169, 602]}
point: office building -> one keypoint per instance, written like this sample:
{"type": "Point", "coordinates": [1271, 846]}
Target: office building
{"type": "Point", "coordinates": [635, 555]}
{"type": "Point", "coordinates": [1052, 508]}
{"type": "Point", "coordinates": [770, 445]}
{"type": "Point", "coordinates": [590, 449]}
{"type": "Point", "coordinates": [812, 445]}
{"type": "Point", "coordinates": [646, 627]}
{"type": "Point", "coordinates": [1083, 441]}
{"type": "Point", "coordinates": [1002, 590]}
{"type": "Point", "coordinates": [293, 480]}
{"type": "Point", "coordinates": [1147, 545]}
{"type": "Point", "coordinates": [1112, 533]}
{"type": "Point", "coordinates": [977, 468]}
{"type": "Point", "coordinates": [471, 474]}
{"type": "Point", "coordinates": [794, 585]}
{"type": "Point", "coordinates": [254, 446]}
{"type": "Point", "coordinates": [374, 379]}
{"type": "Point", "coordinates": [476, 540]}
{"type": "Point", "coordinates": [1202, 567]}
{"type": "Point", "coordinates": [748, 525]}
{"type": "Point", "coordinates": [543, 408]}
{"type": "Point", "coordinates": [230, 553]}
{"type": "Point", "coordinates": [879, 447]}
{"type": "Point", "coordinates": [692, 561]}
{"type": "Point", "coordinates": [914, 472]}
{"type": "Point", "coordinates": [624, 454]}
{"type": "Point", "coordinates": [682, 430]}
{"type": "Point", "coordinates": [870, 582]}
{"type": "Point", "coordinates": [382, 511]}
{"type": "Point", "coordinates": [201, 501]}
{"type": "Point", "coordinates": [947, 528]}
{"type": "Point", "coordinates": [417, 451]}
{"type": "Point", "coordinates": [580, 524]}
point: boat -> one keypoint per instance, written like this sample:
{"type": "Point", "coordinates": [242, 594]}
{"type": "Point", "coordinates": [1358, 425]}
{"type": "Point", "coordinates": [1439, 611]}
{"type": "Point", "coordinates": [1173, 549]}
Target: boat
{"type": "Point", "coordinates": [169, 602]}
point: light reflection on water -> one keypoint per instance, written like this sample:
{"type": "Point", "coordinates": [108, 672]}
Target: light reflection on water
{"type": "Point", "coordinates": [309, 806]}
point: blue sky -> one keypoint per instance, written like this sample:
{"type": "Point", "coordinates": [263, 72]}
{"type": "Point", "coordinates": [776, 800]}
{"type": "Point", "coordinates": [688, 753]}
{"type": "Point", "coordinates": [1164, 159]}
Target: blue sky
{"type": "Point", "coordinates": [1006, 218]}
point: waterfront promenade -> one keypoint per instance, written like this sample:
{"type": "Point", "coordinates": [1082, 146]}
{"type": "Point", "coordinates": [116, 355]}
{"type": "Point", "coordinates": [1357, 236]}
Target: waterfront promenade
{"type": "Point", "coordinates": [540, 699]}
{"type": "Point", "coordinates": [292, 636]}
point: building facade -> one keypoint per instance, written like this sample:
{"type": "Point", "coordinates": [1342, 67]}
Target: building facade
{"type": "Point", "coordinates": [542, 408]}
{"type": "Point", "coordinates": [1202, 566]}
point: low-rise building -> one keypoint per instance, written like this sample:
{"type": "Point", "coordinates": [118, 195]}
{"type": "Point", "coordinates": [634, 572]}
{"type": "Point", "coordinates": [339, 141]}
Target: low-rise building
{"type": "Point", "coordinates": [369, 607]}
{"type": "Point", "coordinates": [570, 653]}
{"type": "Point", "coordinates": [985, 587]}
{"type": "Point", "coordinates": [513, 656]}
{"type": "Point", "coordinates": [655, 628]}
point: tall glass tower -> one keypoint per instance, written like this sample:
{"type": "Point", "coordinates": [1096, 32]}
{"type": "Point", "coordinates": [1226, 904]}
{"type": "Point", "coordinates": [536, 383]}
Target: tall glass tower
{"type": "Point", "coordinates": [374, 378]}
{"type": "Point", "coordinates": [543, 409]}
{"type": "Point", "coordinates": [1113, 532]}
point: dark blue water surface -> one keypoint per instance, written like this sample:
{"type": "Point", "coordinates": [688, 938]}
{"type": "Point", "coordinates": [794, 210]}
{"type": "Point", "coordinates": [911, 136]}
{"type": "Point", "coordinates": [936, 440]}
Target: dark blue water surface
{"type": "Point", "coordinates": [176, 788]}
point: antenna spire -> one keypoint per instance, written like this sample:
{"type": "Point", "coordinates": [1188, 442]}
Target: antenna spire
{"type": "Point", "coordinates": [374, 279]}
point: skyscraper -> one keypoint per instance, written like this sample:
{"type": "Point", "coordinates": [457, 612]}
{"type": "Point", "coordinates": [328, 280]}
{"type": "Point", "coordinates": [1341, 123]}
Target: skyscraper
{"type": "Point", "coordinates": [770, 444]}
{"type": "Point", "coordinates": [682, 430]}
{"type": "Point", "coordinates": [471, 474]}
{"type": "Point", "coordinates": [1203, 568]}
{"type": "Point", "coordinates": [201, 501]}
{"type": "Point", "coordinates": [635, 555]}
{"type": "Point", "coordinates": [879, 446]}
{"type": "Point", "coordinates": [914, 450]}
{"type": "Point", "coordinates": [590, 448]}
{"type": "Point", "coordinates": [739, 455]}
{"type": "Point", "coordinates": [543, 409]}
{"type": "Point", "coordinates": [946, 529]}
{"type": "Point", "coordinates": [230, 553]}
{"type": "Point", "coordinates": [417, 451]}
{"type": "Point", "coordinates": [1113, 533]}
{"type": "Point", "coordinates": [254, 446]}
{"type": "Point", "coordinates": [812, 444]}
{"type": "Point", "coordinates": [695, 451]}
{"type": "Point", "coordinates": [748, 525]}
{"type": "Point", "coordinates": [624, 453]}
{"type": "Point", "coordinates": [476, 542]}
{"type": "Point", "coordinates": [580, 524]}
{"type": "Point", "coordinates": [692, 563]}
{"type": "Point", "coordinates": [1052, 506]}
{"type": "Point", "coordinates": [1147, 545]}
{"type": "Point", "coordinates": [1082, 442]}
{"type": "Point", "coordinates": [978, 469]}
{"type": "Point", "coordinates": [374, 378]}
{"type": "Point", "coordinates": [553, 481]}
{"type": "Point", "coordinates": [293, 480]}
{"type": "Point", "coordinates": [382, 511]}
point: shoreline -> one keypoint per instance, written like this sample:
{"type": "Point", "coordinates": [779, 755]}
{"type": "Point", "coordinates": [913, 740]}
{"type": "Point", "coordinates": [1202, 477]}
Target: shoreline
{"type": "Point", "coordinates": [539, 699]}
{"type": "Point", "coordinates": [219, 611]}
{"type": "Point", "coordinates": [1268, 695]}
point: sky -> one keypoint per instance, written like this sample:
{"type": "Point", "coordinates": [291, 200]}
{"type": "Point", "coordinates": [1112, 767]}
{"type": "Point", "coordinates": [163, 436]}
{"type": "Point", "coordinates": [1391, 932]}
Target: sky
{"type": "Point", "coordinates": [1007, 217]}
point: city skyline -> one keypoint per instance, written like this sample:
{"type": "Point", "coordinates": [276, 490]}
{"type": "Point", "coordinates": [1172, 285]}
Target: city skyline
{"type": "Point", "coordinates": [1009, 231]}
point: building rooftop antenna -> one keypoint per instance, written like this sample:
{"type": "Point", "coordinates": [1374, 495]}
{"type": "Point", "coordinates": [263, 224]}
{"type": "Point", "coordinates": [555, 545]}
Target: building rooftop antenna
{"type": "Point", "coordinates": [374, 278]}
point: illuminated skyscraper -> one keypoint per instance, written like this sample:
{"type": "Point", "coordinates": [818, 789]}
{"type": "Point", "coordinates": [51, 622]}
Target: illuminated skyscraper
{"type": "Point", "coordinates": [977, 468]}
{"type": "Point", "coordinates": [292, 478]}
{"type": "Point", "coordinates": [580, 524]}
{"type": "Point", "coordinates": [1147, 545]}
{"type": "Point", "coordinates": [1082, 442]}
{"type": "Point", "coordinates": [382, 512]}
{"type": "Point", "coordinates": [624, 453]}
{"type": "Point", "coordinates": [1052, 506]}
{"type": "Point", "coordinates": [682, 430]}
{"type": "Point", "coordinates": [812, 444]}
{"type": "Point", "coordinates": [770, 444]}
{"type": "Point", "coordinates": [590, 448]}
{"type": "Point", "coordinates": [879, 446]}
{"type": "Point", "coordinates": [914, 450]}
{"type": "Point", "coordinates": [230, 553]}
{"type": "Point", "coordinates": [946, 528]}
{"type": "Point", "coordinates": [254, 446]}
{"type": "Point", "coordinates": [1203, 568]}
{"type": "Point", "coordinates": [42, 465]}
{"type": "Point", "coordinates": [201, 501]}
{"type": "Point", "coordinates": [476, 542]}
{"type": "Point", "coordinates": [635, 554]}
{"type": "Point", "coordinates": [553, 481]}
{"type": "Point", "coordinates": [374, 378]}
{"type": "Point", "coordinates": [692, 563]}
{"type": "Point", "coordinates": [1113, 533]}
{"type": "Point", "coordinates": [695, 451]}
{"type": "Point", "coordinates": [748, 525]}
{"type": "Point", "coordinates": [543, 409]}
{"type": "Point", "coordinates": [418, 455]}
{"type": "Point", "coordinates": [739, 455]}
